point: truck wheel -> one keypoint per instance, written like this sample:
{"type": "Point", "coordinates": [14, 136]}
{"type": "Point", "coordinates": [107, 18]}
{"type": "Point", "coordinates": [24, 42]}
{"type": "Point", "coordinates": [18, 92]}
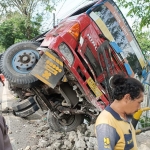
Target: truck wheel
{"type": "Point", "coordinates": [18, 61]}
{"type": "Point", "coordinates": [20, 105]}
{"type": "Point", "coordinates": [68, 123]}
{"type": "Point", "coordinates": [27, 112]}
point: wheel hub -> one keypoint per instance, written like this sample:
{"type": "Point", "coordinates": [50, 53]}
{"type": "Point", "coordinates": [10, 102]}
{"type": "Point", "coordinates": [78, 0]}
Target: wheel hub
{"type": "Point", "coordinates": [25, 60]}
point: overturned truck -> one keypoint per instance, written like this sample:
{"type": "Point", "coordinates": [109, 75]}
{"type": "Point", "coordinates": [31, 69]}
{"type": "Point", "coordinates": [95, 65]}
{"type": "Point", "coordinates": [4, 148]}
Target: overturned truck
{"type": "Point", "coordinates": [67, 70]}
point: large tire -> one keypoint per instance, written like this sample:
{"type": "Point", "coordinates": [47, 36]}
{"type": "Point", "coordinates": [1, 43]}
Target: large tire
{"type": "Point", "coordinates": [57, 125]}
{"type": "Point", "coordinates": [27, 112]}
{"type": "Point", "coordinates": [24, 104]}
{"type": "Point", "coordinates": [18, 61]}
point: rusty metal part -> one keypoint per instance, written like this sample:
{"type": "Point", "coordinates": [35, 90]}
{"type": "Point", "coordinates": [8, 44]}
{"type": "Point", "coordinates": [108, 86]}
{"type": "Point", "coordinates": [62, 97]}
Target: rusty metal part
{"type": "Point", "coordinates": [71, 111]}
{"type": "Point", "coordinates": [69, 94]}
{"type": "Point", "coordinates": [65, 103]}
{"type": "Point", "coordinates": [41, 100]}
{"type": "Point", "coordinates": [28, 94]}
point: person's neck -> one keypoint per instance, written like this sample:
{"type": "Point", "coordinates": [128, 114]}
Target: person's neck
{"type": "Point", "coordinates": [117, 107]}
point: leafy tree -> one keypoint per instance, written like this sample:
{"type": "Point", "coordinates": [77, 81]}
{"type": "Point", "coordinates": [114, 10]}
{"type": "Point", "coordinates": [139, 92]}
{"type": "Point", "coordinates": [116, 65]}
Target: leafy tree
{"type": "Point", "coordinates": [141, 11]}
{"type": "Point", "coordinates": [143, 38]}
{"type": "Point", "coordinates": [26, 8]}
{"type": "Point", "coordinates": [138, 8]}
{"type": "Point", "coordinates": [13, 29]}
{"type": "Point", "coordinates": [20, 20]}
{"type": "Point", "coordinates": [144, 42]}
{"type": "Point", "coordinates": [7, 37]}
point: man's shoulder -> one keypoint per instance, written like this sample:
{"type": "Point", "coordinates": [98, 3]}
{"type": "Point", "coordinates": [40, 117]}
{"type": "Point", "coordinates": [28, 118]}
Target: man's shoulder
{"type": "Point", "coordinates": [105, 114]}
{"type": "Point", "coordinates": [105, 117]}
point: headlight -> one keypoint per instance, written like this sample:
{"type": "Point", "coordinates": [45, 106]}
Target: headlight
{"type": "Point", "coordinates": [64, 49]}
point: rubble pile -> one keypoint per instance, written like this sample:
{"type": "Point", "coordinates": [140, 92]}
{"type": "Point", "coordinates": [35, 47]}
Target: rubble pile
{"type": "Point", "coordinates": [81, 139]}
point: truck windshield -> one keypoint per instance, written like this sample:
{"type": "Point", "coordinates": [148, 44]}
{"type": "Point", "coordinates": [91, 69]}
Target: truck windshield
{"type": "Point", "coordinates": [114, 27]}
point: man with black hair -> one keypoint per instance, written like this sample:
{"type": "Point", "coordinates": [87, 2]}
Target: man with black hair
{"type": "Point", "coordinates": [114, 129]}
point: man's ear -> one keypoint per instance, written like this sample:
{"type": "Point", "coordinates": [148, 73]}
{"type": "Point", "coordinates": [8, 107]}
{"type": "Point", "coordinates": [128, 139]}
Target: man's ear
{"type": "Point", "coordinates": [127, 97]}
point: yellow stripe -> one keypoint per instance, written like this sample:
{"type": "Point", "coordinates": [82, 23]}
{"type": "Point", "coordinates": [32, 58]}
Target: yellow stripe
{"type": "Point", "coordinates": [104, 29]}
{"type": "Point", "coordinates": [43, 80]}
{"type": "Point", "coordinates": [50, 69]}
{"type": "Point", "coordinates": [53, 58]}
{"type": "Point", "coordinates": [102, 26]}
{"type": "Point", "coordinates": [142, 62]}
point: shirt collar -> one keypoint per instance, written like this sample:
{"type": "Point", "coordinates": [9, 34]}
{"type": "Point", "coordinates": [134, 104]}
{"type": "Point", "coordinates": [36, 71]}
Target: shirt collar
{"type": "Point", "coordinates": [116, 115]}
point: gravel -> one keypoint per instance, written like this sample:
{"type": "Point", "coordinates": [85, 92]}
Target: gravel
{"type": "Point", "coordinates": [81, 139]}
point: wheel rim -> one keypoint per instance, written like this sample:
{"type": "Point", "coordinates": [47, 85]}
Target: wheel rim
{"type": "Point", "coordinates": [24, 61]}
{"type": "Point", "coordinates": [67, 120]}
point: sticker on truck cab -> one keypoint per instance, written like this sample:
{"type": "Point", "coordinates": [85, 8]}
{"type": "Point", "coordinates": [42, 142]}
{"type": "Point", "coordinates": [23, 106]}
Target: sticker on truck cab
{"type": "Point", "coordinates": [94, 87]}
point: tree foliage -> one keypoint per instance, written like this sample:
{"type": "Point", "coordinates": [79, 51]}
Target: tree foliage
{"type": "Point", "coordinates": [13, 29]}
{"type": "Point", "coordinates": [138, 8]}
{"type": "Point", "coordinates": [7, 37]}
{"type": "Point", "coordinates": [144, 41]}
{"type": "Point", "coordinates": [21, 19]}
{"type": "Point", "coordinates": [25, 7]}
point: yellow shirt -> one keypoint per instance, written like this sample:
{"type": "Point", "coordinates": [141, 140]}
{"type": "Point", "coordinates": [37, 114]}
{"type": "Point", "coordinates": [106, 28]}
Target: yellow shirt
{"type": "Point", "coordinates": [113, 133]}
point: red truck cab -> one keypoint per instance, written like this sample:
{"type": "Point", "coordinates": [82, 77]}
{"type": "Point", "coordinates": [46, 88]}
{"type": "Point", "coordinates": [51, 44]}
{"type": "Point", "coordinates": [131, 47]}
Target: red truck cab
{"type": "Point", "coordinates": [94, 45]}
